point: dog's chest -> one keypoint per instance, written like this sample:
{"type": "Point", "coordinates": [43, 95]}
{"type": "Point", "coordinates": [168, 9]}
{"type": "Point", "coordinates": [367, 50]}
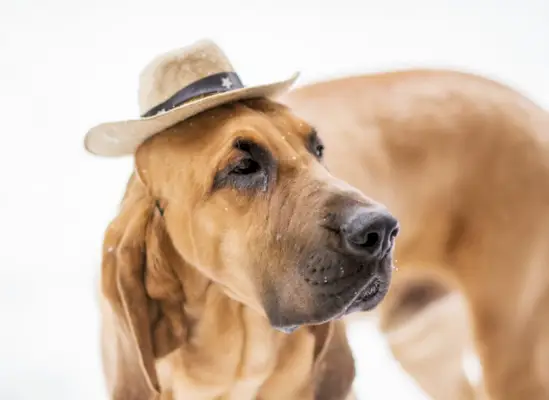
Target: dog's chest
{"type": "Point", "coordinates": [231, 353]}
{"type": "Point", "coordinates": [258, 357]}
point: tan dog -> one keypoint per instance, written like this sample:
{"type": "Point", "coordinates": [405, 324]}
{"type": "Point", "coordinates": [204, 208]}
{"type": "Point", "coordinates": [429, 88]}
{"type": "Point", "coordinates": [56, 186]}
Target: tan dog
{"type": "Point", "coordinates": [463, 162]}
{"type": "Point", "coordinates": [227, 228]}
{"type": "Point", "coordinates": [235, 251]}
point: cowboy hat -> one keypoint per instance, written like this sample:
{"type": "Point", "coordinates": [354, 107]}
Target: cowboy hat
{"type": "Point", "coordinates": [173, 87]}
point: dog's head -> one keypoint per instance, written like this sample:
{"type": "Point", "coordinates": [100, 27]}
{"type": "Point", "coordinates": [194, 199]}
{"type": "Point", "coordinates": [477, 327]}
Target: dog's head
{"type": "Point", "coordinates": [245, 199]}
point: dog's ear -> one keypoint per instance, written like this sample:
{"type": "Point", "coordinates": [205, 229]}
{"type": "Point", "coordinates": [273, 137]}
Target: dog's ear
{"type": "Point", "coordinates": [123, 285]}
{"type": "Point", "coordinates": [334, 366]}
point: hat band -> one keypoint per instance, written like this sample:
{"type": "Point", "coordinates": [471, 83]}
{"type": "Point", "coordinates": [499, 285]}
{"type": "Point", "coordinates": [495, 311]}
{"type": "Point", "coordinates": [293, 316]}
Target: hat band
{"type": "Point", "coordinates": [212, 84]}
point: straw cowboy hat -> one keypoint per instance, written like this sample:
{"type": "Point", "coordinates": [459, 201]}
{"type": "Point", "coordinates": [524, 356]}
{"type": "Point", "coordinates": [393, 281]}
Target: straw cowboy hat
{"type": "Point", "coordinates": [174, 87]}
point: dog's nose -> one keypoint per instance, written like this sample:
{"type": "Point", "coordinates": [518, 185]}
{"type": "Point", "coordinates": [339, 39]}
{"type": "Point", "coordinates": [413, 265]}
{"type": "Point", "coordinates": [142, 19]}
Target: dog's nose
{"type": "Point", "coordinates": [370, 232]}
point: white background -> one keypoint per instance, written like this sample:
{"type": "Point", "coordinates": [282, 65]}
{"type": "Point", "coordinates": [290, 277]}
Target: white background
{"type": "Point", "coordinates": [65, 66]}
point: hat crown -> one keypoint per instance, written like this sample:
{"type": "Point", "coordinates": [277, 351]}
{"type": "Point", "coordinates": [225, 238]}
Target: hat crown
{"type": "Point", "coordinates": [170, 72]}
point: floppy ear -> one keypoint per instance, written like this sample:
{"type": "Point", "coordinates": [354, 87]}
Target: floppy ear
{"type": "Point", "coordinates": [123, 285]}
{"type": "Point", "coordinates": [334, 365]}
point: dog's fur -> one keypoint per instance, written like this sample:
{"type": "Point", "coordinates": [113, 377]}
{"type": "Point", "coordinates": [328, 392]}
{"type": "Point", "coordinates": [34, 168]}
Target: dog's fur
{"type": "Point", "coordinates": [428, 331]}
{"type": "Point", "coordinates": [200, 264]}
{"type": "Point", "coordinates": [463, 163]}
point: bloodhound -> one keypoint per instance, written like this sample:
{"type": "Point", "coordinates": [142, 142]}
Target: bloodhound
{"type": "Point", "coordinates": [233, 257]}
{"type": "Point", "coordinates": [463, 163]}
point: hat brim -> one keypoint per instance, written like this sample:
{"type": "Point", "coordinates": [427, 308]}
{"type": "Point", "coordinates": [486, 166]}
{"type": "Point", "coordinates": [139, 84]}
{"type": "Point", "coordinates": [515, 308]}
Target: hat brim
{"type": "Point", "coordinates": [114, 139]}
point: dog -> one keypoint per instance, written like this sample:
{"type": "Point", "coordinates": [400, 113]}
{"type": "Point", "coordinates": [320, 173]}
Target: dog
{"type": "Point", "coordinates": [462, 161]}
{"type": "Point", "coordinates": [235, 252]}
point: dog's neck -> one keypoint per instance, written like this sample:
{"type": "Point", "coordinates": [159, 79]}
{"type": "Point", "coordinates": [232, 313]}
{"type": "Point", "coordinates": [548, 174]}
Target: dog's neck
{"type": "Point", "coordinates": [223, 347]}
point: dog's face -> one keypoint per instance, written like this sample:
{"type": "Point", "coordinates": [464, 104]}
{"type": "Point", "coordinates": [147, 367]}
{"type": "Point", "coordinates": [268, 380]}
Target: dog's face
{"type": "Point", "coordinates": [248, 201]}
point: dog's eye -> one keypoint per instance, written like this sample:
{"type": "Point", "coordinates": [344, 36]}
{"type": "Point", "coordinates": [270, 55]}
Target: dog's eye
{"type": "Point", "coordinates": [315, 146]}
{"type": "Point", "coordinates": [246, 166]}
{"type": "Point", "coordinates": [319, 150]}
{"type": "Point", "coordinates": [249, 170]}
